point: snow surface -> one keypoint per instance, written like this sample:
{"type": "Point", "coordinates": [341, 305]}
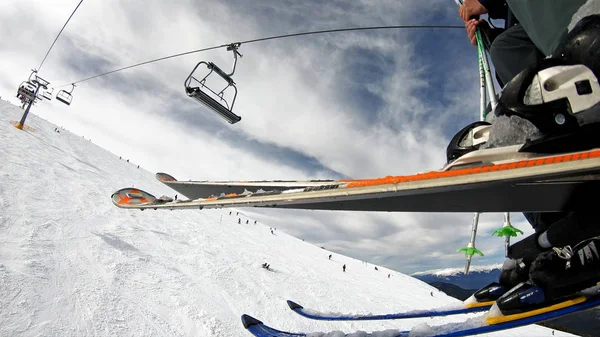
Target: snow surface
{"type": "Point", "coordinates": [72, 264]}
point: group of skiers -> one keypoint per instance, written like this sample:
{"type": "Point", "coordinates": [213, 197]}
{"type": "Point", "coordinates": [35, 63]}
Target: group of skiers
{"type": "Point", "coordinates": [344, 267]}
{"type": "Point", "coordinates": [563, 256]}
{"type": "Point", "coordinates": [240, 219]}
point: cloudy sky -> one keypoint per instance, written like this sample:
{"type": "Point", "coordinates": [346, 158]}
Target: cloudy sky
{"type": "Point", "coordinates": [343, 105]}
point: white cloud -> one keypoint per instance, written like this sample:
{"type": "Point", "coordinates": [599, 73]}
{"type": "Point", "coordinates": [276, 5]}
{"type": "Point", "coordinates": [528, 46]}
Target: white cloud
{"type": "Point", "coordinates": [293, 96]}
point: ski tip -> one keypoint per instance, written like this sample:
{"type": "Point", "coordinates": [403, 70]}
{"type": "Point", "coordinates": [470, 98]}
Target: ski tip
{"type": "Point", "coordinates": [164, 177]}
{"type": "Point", "coordinates": [127, 197]}
{"type": "Point", "coordinates": [249, 321]}
{"type": "Point", "coordinates": [293, 305]}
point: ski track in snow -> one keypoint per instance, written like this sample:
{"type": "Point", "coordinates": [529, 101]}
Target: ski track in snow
{"type": "Point", "coordinates": [72, 264]}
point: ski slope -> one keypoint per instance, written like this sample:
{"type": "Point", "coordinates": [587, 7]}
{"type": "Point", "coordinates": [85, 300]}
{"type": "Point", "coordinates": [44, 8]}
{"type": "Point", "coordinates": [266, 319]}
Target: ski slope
{"type": "Point", "coordinates": [72, 264]}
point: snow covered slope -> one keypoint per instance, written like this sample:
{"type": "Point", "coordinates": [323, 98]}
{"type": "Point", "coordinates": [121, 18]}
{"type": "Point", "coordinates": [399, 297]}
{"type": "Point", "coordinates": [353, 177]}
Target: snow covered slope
{"type": "Point", "coordinates": [72, 264]}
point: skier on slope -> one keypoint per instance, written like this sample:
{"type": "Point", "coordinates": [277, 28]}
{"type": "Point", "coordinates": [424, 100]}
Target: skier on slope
{"type": "Point", "coordinates": [563, 256]}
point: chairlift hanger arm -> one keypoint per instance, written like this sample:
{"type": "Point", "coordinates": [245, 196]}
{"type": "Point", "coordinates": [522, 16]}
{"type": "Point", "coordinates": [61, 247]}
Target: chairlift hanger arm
{"type": "Point", "coordinates": [233, 47]}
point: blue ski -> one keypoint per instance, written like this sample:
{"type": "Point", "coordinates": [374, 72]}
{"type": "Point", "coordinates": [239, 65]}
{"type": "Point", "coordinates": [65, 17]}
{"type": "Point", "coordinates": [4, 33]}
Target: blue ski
{"type": "Point", "coordinates": [323, 316]}
{"type": "Point", "coordinates": [474, 326]}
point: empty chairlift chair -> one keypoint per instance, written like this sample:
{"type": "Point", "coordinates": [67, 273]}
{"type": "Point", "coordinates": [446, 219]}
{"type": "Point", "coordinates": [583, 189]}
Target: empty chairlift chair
{"type": "Point", "coordinates": [66, 96]}
{"type": "Point", "coordinates": [215, 100]}
{"type": "Point", "coordinates": [47, 94]}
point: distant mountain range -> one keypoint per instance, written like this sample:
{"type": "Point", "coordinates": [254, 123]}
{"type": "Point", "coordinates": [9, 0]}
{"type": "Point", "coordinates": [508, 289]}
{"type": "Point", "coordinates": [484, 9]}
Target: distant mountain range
{"type": "Point", "coordinates": [478, 276]}
{"type": "Point", "coordinates": [453, 290]}
{"type": "Point", "coordinates": [455, 283]}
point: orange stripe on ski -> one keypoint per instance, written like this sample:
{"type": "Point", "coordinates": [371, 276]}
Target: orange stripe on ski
{"type": "Point", "coordinates": [126, 200]}
{"type": "Point", "coordinates": [474, 170]}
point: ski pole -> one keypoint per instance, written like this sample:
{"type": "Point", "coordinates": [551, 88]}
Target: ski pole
{"type": "Point", "coordinates": [485, 69]}
{"type": "Point", "coordinates": [507, 231]}
{"type": "Point", "coordinates": [470, 249]}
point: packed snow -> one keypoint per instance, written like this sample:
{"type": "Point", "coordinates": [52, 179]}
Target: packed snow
{"type": "Point", "coordinates": [72, 264]}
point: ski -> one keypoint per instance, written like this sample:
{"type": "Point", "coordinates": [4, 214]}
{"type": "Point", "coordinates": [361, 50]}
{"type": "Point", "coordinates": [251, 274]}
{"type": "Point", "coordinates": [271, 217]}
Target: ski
{"type": "Point", "coordinates": [462, 308]}
{"type": "Point", "coordinates": [490, 180]}
{"type": "Point", "coordinates": [473, 326]}
{"type": "Point", "coordinates": [206, 188]}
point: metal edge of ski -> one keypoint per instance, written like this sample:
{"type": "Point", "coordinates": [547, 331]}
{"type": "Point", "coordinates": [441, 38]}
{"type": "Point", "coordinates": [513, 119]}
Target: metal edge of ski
{"type": "Point", "coordinates": [466, 308]}
{"type": "Point", "coordinates": [385, 193]}
{"type": "Point", "coordinates": [471, 326]}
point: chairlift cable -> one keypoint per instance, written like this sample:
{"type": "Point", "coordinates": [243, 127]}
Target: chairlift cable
{"type": "Point", "coordinates": [352, 29]}
{"type": "Point", "coordinates": [40, 67]}
{"type": "Point", "coordinates": [269, 38]}
{"type": "Point", "coordinates": [146, 62]}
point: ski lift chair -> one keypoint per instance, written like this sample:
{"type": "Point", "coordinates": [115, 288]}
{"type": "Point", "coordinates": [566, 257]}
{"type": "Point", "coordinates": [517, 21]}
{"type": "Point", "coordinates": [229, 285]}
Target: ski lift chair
{"type": "Point", "coordinates": [41, 82]}
{"type": "Point", "coordinates": [210, 98]}
{"type": "Point", "coordinates": [48, 94]}
{"type": "Point", "coordinates": [26, 91]}
{"type": "Point", "coordinates": [65, 96]}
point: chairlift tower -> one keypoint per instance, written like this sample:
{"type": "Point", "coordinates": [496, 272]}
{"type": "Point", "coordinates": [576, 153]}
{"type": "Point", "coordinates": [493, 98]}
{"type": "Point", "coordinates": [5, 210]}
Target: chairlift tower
{"type": "Point", "coordinates": [37, 82]}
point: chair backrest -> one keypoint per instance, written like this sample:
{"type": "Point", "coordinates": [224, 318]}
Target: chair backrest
{"type": "Point", "coordinates": [41, 82]}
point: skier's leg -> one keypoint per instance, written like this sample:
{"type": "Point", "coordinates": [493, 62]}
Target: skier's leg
{"type": "Point", "coordinates": [574, 262]}
{"type": "Point", "coordinates": [547, 22]}
{"type": "Point", "coordinates": [512, 51]}
{"type": "Point", "coordinates": [566, 259]}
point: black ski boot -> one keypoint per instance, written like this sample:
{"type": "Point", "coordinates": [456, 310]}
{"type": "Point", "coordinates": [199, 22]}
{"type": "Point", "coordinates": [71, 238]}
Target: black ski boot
{"type": "Point", "coordinates": [489, 293]}
{"type": "Point", "coordinates": [523, 297]}
{"type": "Point", "coordinates": [561, 95]}
{"type": "Point", "coordinates": [564, 271]}
{"type": "Point", "coordinates": [513, 272]}
{"type": "Point", "coordinates": [555, 276]}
